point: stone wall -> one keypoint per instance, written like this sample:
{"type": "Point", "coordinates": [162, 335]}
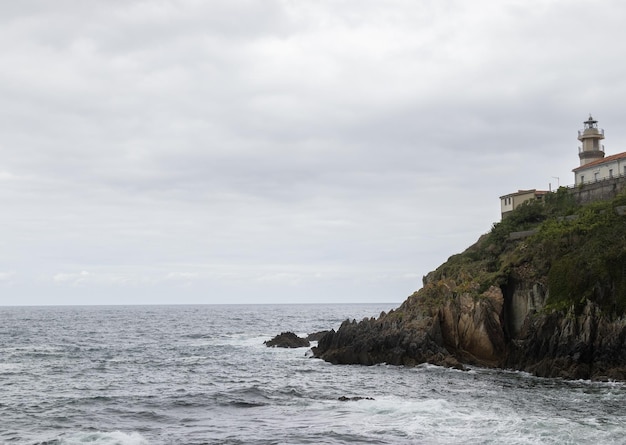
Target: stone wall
{"type": "Point", "coordinates": [598, 191]}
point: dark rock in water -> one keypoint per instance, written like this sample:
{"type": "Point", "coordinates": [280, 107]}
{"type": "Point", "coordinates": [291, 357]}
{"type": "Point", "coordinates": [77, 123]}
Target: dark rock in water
{"type": "Point", "coordinates": [459, 328]}
{"type": "Point", "coordinates": [571, 345]}
{"type": "Point", "coordinates": [287, 340]}
{"type": "Point", "coordinates": [315, 336]}
{"type": "Point", "coordinates": [422, 337]}
{"type": "Point", "coordinates": [353, 399]}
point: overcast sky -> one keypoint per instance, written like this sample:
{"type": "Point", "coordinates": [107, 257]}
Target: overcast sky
{"type": "Point", "coordinates": [267, 151]}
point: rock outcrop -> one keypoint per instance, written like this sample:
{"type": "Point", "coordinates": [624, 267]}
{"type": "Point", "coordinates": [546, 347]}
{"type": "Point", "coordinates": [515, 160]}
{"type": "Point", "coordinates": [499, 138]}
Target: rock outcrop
{"type": "Point", "coordinates": [315, 336]}
{"type": "Point", "coordinates": [588, 345]}
{"type": "Point", "coordinates": [287, 340]}
{"type": "Point", "coordinates": [460, 330]}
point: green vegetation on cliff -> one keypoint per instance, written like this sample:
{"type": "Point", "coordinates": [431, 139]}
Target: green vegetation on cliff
{"type": "Point", "coordinates": [544, 291]}
{"type": "Point", "coordinates": [577, 253]}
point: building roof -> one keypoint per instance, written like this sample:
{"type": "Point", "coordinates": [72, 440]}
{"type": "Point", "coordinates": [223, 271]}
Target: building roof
{"type": "Point", "coordinates": [601, 161]}
{"type": "Point", "coordinates": [525, 192]}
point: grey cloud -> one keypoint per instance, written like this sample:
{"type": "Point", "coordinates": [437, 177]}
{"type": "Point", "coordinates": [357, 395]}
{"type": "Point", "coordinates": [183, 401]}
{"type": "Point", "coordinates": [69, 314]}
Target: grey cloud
{"type": "Point", "coordinates": [235, 147]}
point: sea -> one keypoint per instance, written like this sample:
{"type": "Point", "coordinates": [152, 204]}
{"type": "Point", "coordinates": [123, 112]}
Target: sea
{"type": "Point", "coordinates": [135, 375]}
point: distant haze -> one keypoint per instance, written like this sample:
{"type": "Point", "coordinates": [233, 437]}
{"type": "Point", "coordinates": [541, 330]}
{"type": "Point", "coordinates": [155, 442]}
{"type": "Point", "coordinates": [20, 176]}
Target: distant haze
{"type": "Point", "coordinates": [282, 151]}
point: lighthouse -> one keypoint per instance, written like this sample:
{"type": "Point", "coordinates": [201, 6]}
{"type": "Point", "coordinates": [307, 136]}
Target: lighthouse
{"type": "Point", "coordinates": [592, 150]}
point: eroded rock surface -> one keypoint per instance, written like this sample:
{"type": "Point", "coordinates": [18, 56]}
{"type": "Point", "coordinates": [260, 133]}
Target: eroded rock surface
{"type": "Point", "coordinates": [462, 329]}
{"type": "Point", "coordinates": [588, 345]}
{"type": "Point", "coordinates": [288, 340]}
{"type": "Point", "coordinates": [315, 336]}
{"type": "Point", "coordinates": [441, 326]}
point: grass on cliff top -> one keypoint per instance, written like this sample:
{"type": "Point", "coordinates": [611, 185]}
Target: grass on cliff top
{"type": "Point", "coordinates": [578, 253]}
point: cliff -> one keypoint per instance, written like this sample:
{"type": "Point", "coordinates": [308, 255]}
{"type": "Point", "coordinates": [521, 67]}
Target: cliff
{"type": "Point", "coordinates": [544, 291]}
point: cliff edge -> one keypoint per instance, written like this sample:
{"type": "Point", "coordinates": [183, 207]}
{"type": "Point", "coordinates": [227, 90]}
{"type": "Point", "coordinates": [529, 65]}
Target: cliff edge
{"type": "Point", "coordinates": [544, 291]}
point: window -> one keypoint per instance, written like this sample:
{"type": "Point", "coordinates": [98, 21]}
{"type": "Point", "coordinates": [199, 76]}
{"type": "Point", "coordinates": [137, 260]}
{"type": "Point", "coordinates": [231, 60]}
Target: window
{"type": "Point", "coordinates": [610, 172]}
{"type": "Point", "coordinates": [582, 177]}
{"type": "Point", "coordinates": [595, 176]}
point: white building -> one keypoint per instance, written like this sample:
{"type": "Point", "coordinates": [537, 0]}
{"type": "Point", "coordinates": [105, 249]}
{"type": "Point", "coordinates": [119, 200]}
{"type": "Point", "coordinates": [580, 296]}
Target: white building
{"type": "Point", "coordinates": [606, 168]}
{"type": "Point", "coordinates": [510, 202]}
{"type": "Point", "coordinates": [593, 165]}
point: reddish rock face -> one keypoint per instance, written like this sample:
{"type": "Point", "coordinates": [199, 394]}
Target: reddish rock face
{"type": "Point", "coordinates": [460, 328]}
{"type": "Point", "coordinates": [472, 327]}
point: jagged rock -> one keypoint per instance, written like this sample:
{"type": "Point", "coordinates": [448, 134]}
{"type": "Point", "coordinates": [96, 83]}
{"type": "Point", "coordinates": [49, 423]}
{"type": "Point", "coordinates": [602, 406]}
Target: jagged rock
{"type": "Point", "coordinates": [461, 330]}
{"type": "Point", "coordinates": [315, 336]}
{"type": "Point", "coordinates": [353, 399]}
{"type": "Point", "coordinates": [563, 344]}
{"type": "Point", "coordinates": [287, 340]}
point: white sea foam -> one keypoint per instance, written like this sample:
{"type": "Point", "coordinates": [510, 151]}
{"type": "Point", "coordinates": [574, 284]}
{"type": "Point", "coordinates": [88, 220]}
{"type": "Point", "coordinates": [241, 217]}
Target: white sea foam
{"type": "Point", "coordinates": [9, 368]}
{"type": "Point", "coordinates": [104, 438]}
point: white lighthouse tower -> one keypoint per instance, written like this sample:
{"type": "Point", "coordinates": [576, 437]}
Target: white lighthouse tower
{"type": "Point", "coordinates": [592, 150]}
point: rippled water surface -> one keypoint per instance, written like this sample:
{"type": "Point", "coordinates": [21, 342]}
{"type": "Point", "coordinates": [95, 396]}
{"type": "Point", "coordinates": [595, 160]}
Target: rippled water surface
{"type": "Point", "coordinates": [201, 375]}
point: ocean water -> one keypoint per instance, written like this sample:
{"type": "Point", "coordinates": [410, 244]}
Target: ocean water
{"type": "Point", "coordinates": [139, 375]}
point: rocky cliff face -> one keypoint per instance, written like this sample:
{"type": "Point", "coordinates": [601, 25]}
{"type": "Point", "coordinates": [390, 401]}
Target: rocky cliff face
{"type": "Point", "coordinates": [564, 344]}
{"type": "Point", "coordinates": [492, 306]}
{"type": "Point", "coordinates": [461, 329]}
{"type": "Point", "coordinates": [483, 330]}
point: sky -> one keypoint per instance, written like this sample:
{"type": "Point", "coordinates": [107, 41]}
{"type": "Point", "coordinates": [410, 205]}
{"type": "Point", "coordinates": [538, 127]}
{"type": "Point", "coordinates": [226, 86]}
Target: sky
{"type": "Point", "coordinates": [282, 151]}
